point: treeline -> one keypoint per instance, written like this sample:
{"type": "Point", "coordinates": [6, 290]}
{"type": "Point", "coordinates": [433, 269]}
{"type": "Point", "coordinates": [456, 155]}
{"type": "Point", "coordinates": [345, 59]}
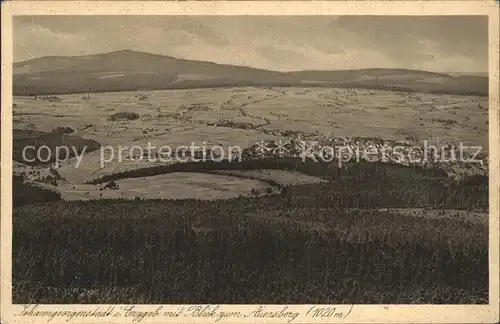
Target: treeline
{"type": "Point", "coordinates": [467, 86]}
{"type": "Point", "coordinates": [25, 193]}
{"type": "Point", "coordinates": [308, 166]}
{"type": "Point", "coordinates": [363, 184]}
{"type": "Point", "coordinates": [359, 185]}
{"type": "Point", "coordinates": [57, 138]}
{"type": "Point", "coordinates": [392, 191]}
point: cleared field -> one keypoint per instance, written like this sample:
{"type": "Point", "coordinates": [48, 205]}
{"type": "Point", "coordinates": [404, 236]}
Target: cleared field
{"type": "Point", "coordinates": [188, 185]}
{"type": "Point", "coordinates": [170, 115]}
{"type": "Point", "coordinates": [280, 177]}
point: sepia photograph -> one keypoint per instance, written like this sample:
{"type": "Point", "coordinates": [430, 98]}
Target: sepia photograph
{"type": "Point", "coordinates": [249, 159]}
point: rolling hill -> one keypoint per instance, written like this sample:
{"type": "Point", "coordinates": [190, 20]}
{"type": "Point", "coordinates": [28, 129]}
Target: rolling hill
{"type": "Point", "coordinates": [128, 70]}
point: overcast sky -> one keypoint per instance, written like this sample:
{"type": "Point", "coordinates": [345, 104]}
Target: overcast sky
{"type": "Point", "coordinates": [284, 43]}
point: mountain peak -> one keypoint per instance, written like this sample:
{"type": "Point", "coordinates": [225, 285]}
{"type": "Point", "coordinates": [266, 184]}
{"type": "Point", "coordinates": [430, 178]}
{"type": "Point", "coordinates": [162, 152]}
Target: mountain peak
{"type": "Point", "coordinates": [122, 51]}
{"type": "Point", "coordinates": [129, 52]}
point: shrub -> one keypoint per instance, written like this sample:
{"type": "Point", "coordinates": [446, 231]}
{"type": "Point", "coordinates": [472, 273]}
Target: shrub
{"type": "Point", "coordinates": [63, 130]}
{"type": "Point", "coordinates": [124, 115]}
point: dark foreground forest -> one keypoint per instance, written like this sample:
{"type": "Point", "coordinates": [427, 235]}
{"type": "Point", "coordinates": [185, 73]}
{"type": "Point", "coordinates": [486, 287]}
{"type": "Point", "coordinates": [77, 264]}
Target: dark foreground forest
{"type": "Point", "coordinates": [339, 242]}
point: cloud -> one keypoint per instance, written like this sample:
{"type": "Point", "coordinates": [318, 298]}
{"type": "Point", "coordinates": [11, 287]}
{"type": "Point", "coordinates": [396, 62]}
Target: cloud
{"type": "Point", "coordinates": [423, 40]}
{"type": "Point", "coordinates": [36, 41]}
{"type": "Point", "coordinates": [439, 43]}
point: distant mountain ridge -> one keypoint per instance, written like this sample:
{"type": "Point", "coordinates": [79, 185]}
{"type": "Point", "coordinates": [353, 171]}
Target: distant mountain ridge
{"type": "Point", "coordinates": [128, 70]}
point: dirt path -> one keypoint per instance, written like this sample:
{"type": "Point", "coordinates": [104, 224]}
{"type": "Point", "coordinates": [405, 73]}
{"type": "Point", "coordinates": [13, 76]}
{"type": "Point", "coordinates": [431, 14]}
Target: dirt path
{"type": "Point", "coordinates": [266, 120]}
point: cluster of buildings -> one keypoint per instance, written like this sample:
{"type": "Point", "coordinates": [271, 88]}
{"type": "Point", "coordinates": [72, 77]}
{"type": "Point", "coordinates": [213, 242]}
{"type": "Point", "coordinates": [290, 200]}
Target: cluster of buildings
{"type": "Point", "coordinates": [356, 149]}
